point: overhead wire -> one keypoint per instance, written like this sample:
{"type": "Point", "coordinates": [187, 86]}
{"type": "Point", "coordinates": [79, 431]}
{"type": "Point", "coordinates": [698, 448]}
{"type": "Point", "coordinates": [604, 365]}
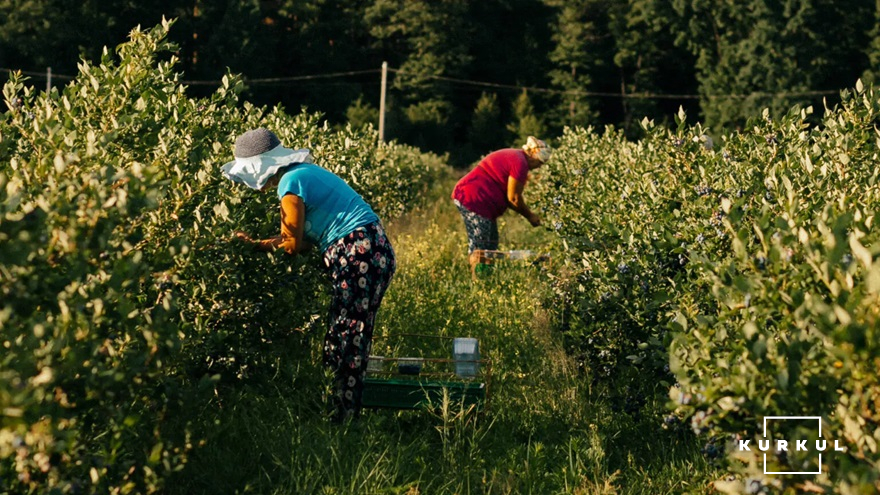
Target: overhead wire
{"type": "Point", "coordinates": [276, 80]}
{"type": "Point", "coordinates": [483, 84]}
{"type": "Point", "coordinates": [643, 95]}
{"type": "Point", "coordinates": [39, 74]}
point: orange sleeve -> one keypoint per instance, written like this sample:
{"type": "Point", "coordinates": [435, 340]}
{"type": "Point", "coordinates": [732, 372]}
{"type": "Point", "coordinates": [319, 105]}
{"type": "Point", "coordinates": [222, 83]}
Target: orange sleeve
{"type": "Point", "coordinates": [293, 218]}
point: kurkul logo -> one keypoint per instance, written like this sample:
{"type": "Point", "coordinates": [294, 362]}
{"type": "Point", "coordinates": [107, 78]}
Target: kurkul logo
{"type": "Point", "coordinates": [792, 445]}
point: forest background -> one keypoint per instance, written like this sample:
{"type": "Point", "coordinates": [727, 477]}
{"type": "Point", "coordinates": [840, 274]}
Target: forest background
{"type": "Point", "coordinates": [467, 77]}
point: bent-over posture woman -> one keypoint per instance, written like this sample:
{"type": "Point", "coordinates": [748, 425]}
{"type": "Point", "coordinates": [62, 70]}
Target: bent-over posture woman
{"type": "Point", "coordinates": [319, 208]}
{"type": "Point", "coordinates": [493, 186]}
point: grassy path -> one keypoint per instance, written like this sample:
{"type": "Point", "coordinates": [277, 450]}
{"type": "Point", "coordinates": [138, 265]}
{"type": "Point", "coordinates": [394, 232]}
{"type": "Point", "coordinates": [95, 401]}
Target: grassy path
{"type": "Point", "coordinates": [547, 429]}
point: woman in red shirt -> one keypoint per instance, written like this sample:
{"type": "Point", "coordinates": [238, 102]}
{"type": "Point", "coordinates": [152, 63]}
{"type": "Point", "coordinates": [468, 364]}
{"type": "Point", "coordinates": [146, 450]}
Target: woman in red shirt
{"type": "Point", "coordinates": [494, 185]}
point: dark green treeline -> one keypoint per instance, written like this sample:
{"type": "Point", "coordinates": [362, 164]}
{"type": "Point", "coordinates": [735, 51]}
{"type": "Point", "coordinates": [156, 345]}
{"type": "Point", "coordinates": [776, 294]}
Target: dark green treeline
{"type": "Point", "coordinates": [587, 62]}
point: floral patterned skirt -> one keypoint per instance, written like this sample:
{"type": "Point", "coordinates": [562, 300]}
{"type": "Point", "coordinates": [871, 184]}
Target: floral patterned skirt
{"type": "Point", "coordinates": [361, 265]}
{"type": "Point", "coordinates": [482, 232]}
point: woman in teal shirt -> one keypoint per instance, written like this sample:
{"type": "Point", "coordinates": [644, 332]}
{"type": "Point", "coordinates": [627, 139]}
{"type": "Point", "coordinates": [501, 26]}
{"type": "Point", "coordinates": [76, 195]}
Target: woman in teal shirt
{"type": "Point", "coordinates": [320, 209]}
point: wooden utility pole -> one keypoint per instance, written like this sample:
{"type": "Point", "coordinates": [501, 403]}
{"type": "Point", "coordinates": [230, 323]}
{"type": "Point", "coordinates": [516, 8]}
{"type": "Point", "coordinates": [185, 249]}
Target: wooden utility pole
{"type": "Point", "coordinates": [382, 102]}
{"type": "Point", "coordinates": [48, 79]}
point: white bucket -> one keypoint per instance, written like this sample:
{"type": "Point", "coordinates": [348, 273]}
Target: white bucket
{"type": "Point", "coordinates": [521, 254]}
{"type": "Point", "coordinates": [466, 353]}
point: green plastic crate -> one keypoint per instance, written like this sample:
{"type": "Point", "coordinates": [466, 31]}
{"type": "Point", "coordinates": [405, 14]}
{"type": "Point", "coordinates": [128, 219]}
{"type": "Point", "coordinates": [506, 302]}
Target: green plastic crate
{"type": "Point", "coordinates": [397, 393]}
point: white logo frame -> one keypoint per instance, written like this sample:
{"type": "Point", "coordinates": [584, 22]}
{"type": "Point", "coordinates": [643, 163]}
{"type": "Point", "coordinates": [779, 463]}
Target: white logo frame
{"type": "Point", "coordinates": [818, 418]}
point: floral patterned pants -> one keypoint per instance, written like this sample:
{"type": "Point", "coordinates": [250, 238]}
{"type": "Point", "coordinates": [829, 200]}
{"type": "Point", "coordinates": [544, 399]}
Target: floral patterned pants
{"type": "Point", "coordinates": [482, 232]}
{"type": "Point", "coordinates": [361, 265]}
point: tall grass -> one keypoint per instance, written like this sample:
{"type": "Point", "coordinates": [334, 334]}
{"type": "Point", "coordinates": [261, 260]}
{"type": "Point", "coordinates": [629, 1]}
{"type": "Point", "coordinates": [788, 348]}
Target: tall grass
{"type": "Point", "coordinates": [547, 427]}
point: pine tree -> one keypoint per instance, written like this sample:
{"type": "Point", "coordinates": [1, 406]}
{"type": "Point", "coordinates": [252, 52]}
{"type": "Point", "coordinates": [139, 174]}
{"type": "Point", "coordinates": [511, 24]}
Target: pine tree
{"type": "Point", "coordinates": [872, 73]}
{"type": "Point", "coordinates": [525, 121]}
{"type": "Point", "coordinates": [426, 39]}
{"type": "Point", "coordinates": [648, 61]}
{"type": "Point", "coordinates": [361, 113]}
{"type": "Point", "coordinates": [486, 132]}
{"type": "Point", "coordinates": [759, 54]}
{"type": "Point", "coordinates": [580, 40]}
{"type": "Point", "coordinates": [35, 34]}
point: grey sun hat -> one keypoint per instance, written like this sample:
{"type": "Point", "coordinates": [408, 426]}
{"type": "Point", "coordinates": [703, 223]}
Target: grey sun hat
{"type": "Point", "coordinates": [258, 156]}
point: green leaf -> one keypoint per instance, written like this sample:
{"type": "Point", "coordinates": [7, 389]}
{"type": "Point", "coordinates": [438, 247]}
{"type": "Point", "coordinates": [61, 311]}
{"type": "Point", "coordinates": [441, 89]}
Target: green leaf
{"type": "Point", "coordinates": [860, 252]}
{"type": "Point", "coordinates": [750, 329]}
{"type": "Point", "coordinates": [221, 210]}
{"type": "Point", "coordinates": [156, 453]}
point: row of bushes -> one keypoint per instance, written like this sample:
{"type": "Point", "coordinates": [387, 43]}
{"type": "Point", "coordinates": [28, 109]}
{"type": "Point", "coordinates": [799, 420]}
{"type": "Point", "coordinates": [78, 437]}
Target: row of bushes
{"type": "Point", "coordinates": [740, 276]}
{"type": "Point", "coordinates": [120, 295]}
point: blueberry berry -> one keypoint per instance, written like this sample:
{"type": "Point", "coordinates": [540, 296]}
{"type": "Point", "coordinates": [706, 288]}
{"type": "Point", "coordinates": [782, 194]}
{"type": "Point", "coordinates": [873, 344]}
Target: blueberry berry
{"type": "Point", "coordinates": [761, 262]}
{"type": "Point", "coordinates": [712, 451]}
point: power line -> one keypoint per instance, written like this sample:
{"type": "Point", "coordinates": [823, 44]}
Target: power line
{"type": "Point", "coordinates": [483, 84]}
{"type": "Point", "coordinates": [39, 74]}
{"type": "Point", "coordinates": [544, 90]}
{"type": "Point", "coordinates": [617, 95]}
{"type": "Point", "coordinates": [275, 80]}
{"type": "Point", "coordinates": [212, 82]}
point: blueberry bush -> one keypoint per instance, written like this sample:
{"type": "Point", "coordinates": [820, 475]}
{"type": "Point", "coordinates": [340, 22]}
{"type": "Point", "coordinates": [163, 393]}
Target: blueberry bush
{"type": "Point", "coordinates": [120, 293]}
{"type": "Point", "coordinates": [739, 277]}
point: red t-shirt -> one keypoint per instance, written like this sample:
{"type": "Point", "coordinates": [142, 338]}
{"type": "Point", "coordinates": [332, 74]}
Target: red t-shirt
{"type": "Point", "coordinates": [484, 189]}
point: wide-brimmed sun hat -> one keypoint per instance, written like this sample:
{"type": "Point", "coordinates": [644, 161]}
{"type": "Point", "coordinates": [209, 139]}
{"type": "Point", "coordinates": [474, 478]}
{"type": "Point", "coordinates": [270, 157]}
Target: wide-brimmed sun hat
{"type": "Point", "coordinates": [258, 156]}
{"type": "Point", "coordinates": [537, 149]}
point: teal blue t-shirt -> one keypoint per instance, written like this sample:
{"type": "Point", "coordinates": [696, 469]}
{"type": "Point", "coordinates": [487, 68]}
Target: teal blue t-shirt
{"type": "Point", "coordinates": [333, 208]}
